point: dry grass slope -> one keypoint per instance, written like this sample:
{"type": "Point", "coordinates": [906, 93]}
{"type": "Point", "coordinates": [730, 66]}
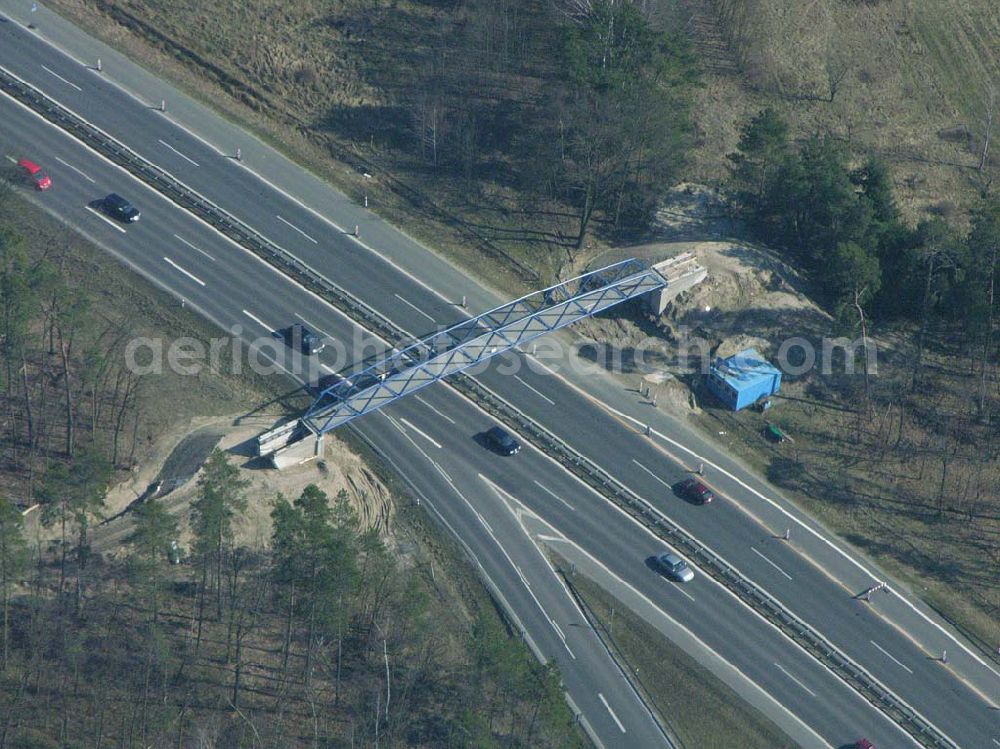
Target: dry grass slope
{"type": "Point", "coordinates": [909, 72]}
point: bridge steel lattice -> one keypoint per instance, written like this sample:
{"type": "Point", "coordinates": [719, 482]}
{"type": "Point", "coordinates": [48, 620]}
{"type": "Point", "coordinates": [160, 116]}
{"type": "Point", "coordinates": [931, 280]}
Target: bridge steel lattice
{"type": "Point", "coordinates": [476, 340]}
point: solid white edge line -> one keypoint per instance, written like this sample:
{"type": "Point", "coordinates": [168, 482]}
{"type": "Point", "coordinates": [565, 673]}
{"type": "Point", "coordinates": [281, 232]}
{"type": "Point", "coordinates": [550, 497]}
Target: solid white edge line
{"type": "Point", "coordinates": [293, 226]}
{"type": "Point", "coordinates": [736, 598]}
{"type": "Point", "coordinates": [791, 518]}
{"type": "Point", "coordinates": [504, 603]}
{"type": "Point", "coordinates": [354, 324]}
{"type": "Point", "coordinates": [187, 273]}
{"type": "Point", "coordinates": [186, 158]}
{"type": "Point", "coordinates": [423, 284]}
{"type": "Point", "coordinates": [618, 722]}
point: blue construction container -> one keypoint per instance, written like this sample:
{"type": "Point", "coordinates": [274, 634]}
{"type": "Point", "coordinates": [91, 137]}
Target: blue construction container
{"type": "Point", "coordinates": [743, 379]}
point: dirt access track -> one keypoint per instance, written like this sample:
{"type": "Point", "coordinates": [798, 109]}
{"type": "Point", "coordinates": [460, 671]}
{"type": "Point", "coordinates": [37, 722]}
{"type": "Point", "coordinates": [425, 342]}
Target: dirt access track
{"type": "Point", "coordinates": [171, 473]}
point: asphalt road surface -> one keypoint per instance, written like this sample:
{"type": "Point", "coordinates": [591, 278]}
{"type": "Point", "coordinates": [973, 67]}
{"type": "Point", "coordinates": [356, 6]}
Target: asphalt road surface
{"type": "Point", "coordinates": [485, 499]}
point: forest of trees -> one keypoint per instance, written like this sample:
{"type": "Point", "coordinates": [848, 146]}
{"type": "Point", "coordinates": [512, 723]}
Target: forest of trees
{"type": "Point", "coordinates": [842, 225]}
{"type": "Point", "coordinates": [321, 639]}
{"type": "Point", "coordinates": [580, 106]}
{"type": "Point", "coordinates": [68, 397]}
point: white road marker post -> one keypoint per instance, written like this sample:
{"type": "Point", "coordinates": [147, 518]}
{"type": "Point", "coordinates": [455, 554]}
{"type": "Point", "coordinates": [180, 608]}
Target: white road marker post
{"type": "Point", "coordinates": [239, 154]}
{"type": "Point", "coordinates": [788, 534]}
{"type": "Point", "coordinates": [163, 105]}
{"type": "Point", "coordinates": [99, 67]}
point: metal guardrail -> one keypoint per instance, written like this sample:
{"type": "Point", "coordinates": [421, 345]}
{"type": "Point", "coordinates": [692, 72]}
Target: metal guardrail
{"type": "Point", "coordinates": [593, 475]}
{"type": "Point", "coordinates": [745, 589]}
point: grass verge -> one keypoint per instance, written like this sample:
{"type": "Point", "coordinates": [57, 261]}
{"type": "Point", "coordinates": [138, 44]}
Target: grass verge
{"type": "Point", "coordinates": [679, 688]}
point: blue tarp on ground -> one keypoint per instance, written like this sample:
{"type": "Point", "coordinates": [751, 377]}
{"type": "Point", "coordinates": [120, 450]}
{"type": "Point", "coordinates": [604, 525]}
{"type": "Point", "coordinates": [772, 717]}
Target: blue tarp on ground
{"type": "Point", "coordinates": [743, 379]}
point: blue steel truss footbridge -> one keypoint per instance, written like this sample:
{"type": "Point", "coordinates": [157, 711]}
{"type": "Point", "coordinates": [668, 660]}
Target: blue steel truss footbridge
{"type": "Point", "coordinates": [465, 345]}
{"type": "Point", "coordinates": [475, 340]}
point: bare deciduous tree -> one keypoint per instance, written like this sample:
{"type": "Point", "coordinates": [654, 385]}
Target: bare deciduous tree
{"type": "Point", "coordinates": [989, 112]}
{"type": "Point", "coordinates": [837, 69]}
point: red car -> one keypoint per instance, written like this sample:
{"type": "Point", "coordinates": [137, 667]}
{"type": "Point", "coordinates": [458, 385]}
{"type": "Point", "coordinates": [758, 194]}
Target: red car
{"type": "Point", "coordinates": [35, 174]}
{"type": "Point", "coordinates": [695, 491]}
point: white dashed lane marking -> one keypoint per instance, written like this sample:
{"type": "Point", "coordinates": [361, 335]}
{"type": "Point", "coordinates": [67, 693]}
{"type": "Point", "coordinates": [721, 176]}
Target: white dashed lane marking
{"type": "Point", "coordinates": [105, 219]}
{"type": "Point", "coordinates": [68, 83]}
{"type": "Point", "coordinates": [794, 679]}
{"type": "Point", "coordinates": [187, 273]}
{"type": "Point", "coordinates": [770, 563]}
{"type": "Point", "coordinates": [421, 433]}
{"type": "Point", "coordinates": [544, 398]}
{"type": "Point", "coordinates": [414, 307]}
{"type": "Point", "coordinates": [443, 416]}
{"type": "Point", "coordinates": [82, 174]}
{"type": "Point", "coordinates": [196, 249]}
{"type": "Point", "coordinates": [257, 320]}
{"type": "Point", "coordinates": [553, 494]}
{"type": "Point", "coordinates": [192, 161]}
{"type": "Point", "coordinates": [617, 722]}
{"type": "Point", "coordinates": [889, 656]}
{"type": "Point", "coordinates": [286, 222]}
{"type": "Point", "coordinates": [655, 477]}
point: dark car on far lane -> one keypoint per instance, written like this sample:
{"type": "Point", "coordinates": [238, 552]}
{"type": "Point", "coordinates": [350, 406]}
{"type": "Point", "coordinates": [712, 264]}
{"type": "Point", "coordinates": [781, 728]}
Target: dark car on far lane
{"type": "Point", "coordinates": [118, 208]}
{"type": "Point", "coordinates": [300, 337]}
{"type": "Point", "coordinates": [501, 441]}
{"type": "Point", "coordinates": [695, 491]}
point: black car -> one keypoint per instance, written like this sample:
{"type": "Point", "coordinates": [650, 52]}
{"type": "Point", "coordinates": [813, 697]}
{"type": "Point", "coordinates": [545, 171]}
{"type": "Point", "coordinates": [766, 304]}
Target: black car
{"type": "Point", "coordinates": [300, 337]}
{"type": "Point", "coordinates": [117, 207]}
{"type": "Point", "coordinates": [501, 440]}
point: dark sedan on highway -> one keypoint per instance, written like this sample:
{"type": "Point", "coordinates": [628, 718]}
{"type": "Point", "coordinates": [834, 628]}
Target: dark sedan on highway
{"type": "Point", "coordinates": [501, 441]}
{"type": "Point", "coordinates": [118, 208]}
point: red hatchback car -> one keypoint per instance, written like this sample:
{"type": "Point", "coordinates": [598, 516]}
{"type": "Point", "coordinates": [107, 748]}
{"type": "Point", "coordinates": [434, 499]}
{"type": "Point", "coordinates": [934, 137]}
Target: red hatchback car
{"type": "Point", "coordinates": [695, 491]}
{"type": "Point", "coordinates": [35, 174]}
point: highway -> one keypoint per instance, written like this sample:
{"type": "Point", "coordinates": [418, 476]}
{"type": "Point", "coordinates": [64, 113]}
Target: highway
{"type": "Point", "coordinates": [476, 493]}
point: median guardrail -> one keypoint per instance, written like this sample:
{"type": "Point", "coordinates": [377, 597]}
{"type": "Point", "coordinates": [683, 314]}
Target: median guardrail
{"type": "Point", "coordinates": [593, 475]}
